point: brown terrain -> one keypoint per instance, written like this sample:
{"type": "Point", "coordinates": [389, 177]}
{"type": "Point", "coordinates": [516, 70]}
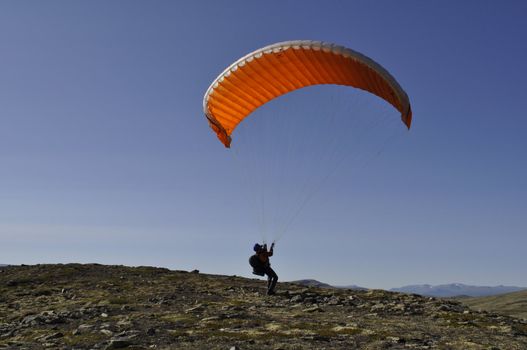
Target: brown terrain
{"type": "Point", "coordinates": [512, 304]}
{"type": "Point", "coordinates": [94, 306]}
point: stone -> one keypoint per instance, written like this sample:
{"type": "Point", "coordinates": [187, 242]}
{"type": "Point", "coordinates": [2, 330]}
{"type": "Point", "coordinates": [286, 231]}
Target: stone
{"type": "Point", "coordinates": [53, 336]}
{"type": "Point", "coordinates": [31, 319]}
{"type": "Point", "coordinates": [334, 301]}
{"type": "Point", "coordinates": [119, 343]}
{"type": "Point", "coordinates": [315, 308]}
{"type": "Point", "coordinates": [378, 307]}
{"type": "Point", "coordinates": [85, 326]}
{"type": "Point", "coordinates": [196, 308]}
{"type": "Point", "coordinates": [211, 318]}
{"type": "Point", "coordinates": [296, 299]}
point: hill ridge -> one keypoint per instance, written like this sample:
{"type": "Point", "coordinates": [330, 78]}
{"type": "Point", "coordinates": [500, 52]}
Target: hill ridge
{"type": "Point", "coordinates": [455, 289]}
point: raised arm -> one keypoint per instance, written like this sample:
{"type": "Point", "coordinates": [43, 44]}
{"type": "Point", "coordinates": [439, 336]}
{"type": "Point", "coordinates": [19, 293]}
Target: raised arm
{"type": "Point", "coordinates": [271, 250]}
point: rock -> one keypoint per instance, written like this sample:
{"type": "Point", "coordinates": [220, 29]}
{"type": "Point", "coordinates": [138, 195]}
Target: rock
{"type": "Point", "coordinates": [444, 307]}
{"type": "Point", "coordinates": [196, 308]}
{"type": "Point", "coordinates": [30, 320]}
{"type": "Point", "coordinates": [45, 317]}
{"type": "Point", "coordinates": [348, 328]}
{"type": "Point", "coordinates": [395, 339]}
{"type": "Point", "coordinates": [297, 292]}
{"type": "Point", "coordinates": [10, 333]}
{"type": "Point", "coordinates": [321, 338]}
{"type": "Point", "coordinates": [44, 337]}
{"type": "Point", "coordinates": [124, 322]}
{"type": "Point", "coordinates": [315, 308]}
{"type": "Point", "coordinates": [85, 327]}
{"type": "Point", "coordinates": [296, 299]}
{"type": "Point", "coordinates": [334, 301]}
{"type": "Point", "coordinates": [107, 332]}
{"type": "Point", "coordinates": [53, 336]}
{"type": "Point", "coordinates": [399, 307]}
{"type": "Point", "coordinates": [119, 343]}
{"type": "Point", "coordinates": [310, 300]}
{"type": "Point", "coordinates": [211, 318]}
{"type": "Point", "coordinates": [378, 307]}
{"type": "Point", "coordinates": [128, 335]}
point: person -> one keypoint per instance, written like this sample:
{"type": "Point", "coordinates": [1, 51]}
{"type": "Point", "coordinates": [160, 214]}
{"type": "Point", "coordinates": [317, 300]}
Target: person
{"type": "Point", "coordinates": [261, 265]}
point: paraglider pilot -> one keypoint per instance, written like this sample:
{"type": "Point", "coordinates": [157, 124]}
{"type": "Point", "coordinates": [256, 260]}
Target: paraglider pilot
{"type": "Point", "coordinates": [261, 265]}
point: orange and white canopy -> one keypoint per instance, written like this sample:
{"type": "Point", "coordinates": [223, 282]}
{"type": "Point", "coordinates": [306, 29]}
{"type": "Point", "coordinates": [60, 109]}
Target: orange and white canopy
{"type": "Point", "coordinates": [280, 68]}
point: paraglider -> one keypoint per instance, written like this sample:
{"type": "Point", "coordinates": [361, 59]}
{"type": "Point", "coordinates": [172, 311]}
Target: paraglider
{"type": "Point", "coordinates": [277, 69]}
{"type": "Point", "coordinates": [261, 265]}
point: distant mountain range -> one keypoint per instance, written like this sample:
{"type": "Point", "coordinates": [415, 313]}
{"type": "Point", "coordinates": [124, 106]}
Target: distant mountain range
{"type": "Point", "coordinates": [455, 290]}
{"type": "Point", "coordinates": [442, 290]}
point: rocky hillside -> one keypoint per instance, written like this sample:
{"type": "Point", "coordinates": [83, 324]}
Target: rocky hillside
{"type": "Point", "coordinates": [107, 307]}
{"type": "Point", "coordinates": [313, 283]}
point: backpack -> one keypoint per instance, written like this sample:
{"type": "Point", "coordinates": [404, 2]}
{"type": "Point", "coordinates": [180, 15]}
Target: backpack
{"type": "Point", "coordinates": [258, 268]}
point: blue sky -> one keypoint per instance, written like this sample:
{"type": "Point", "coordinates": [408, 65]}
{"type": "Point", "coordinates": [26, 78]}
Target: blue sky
{"type": "Point", "coordinates": [106, 156]}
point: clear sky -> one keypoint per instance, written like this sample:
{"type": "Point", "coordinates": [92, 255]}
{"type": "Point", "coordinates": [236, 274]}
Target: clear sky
{"type": "Point", "coordinates": [105, 155]}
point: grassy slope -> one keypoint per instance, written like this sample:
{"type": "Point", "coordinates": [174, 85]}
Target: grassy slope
{"type": "Point", "coordinates": [512, 304]}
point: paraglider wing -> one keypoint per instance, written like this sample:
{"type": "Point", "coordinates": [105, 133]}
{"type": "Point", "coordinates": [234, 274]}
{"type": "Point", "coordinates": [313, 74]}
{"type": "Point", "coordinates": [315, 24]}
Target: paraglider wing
{"type": "Point", "coordinates": [277, 69]}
